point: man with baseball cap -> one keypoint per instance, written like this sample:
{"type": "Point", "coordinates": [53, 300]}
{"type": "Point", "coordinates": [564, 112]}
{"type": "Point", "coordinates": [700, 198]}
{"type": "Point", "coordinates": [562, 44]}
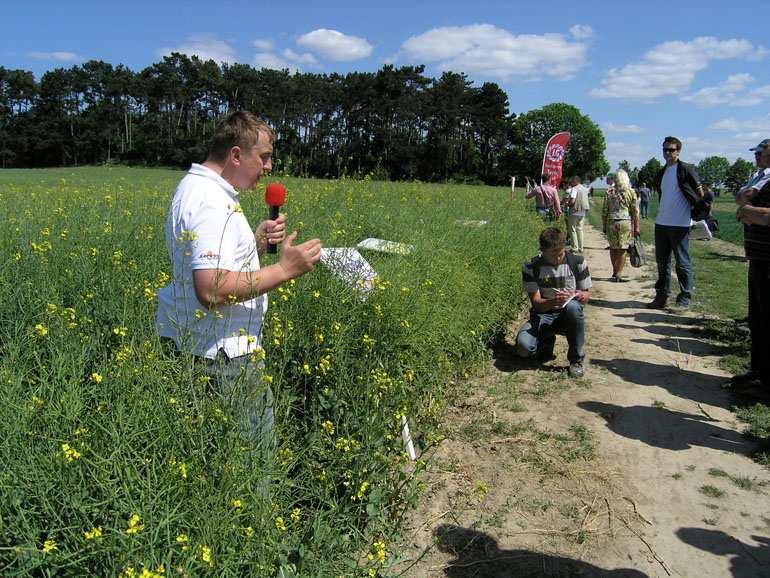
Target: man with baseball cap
{"type": "Point", "coordinates": [754, 212]}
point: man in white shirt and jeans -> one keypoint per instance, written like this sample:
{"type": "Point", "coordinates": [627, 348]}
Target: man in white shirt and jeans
{"type": "Point", "coordinates": [578, 203]}
{"type": "Point", "coordinates": [679, 187]}
{"type": "Point", "coordinates": [215, 303]}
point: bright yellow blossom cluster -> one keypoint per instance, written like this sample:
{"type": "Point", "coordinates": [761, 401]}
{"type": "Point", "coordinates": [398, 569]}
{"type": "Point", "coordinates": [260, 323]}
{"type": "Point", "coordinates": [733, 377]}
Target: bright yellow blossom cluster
{"type": "Point", "coordinates": [134, 525]}
{"type": "Point", "coordinates": [70, 454]}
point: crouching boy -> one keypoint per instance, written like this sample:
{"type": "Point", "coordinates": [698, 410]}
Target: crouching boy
{"type": "Point", "coordinates": [558, 285]}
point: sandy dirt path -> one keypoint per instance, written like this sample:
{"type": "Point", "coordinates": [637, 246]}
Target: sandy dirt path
{"type": "Point", "coordinates": [639, 469]}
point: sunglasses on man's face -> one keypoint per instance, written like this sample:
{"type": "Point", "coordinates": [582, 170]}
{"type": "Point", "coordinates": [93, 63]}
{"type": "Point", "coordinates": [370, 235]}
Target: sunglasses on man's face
{"type": "Point", "coordinates": [665, 150]}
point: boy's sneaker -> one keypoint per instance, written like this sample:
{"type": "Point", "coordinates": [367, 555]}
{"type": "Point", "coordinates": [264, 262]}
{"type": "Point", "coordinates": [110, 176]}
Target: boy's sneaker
{"type": "Point", "coordinates": [576, 370]}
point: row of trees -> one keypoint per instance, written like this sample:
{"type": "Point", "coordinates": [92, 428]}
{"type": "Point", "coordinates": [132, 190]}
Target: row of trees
{"type": "Point", "coordinates": [394, 123]}
{"type": "Point", "coordinates": [715, 171]}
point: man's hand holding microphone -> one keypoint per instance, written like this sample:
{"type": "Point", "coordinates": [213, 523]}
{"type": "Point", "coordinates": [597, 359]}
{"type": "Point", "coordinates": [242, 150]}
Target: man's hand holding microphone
{"type": "Point", "coordinates": [295, 260]}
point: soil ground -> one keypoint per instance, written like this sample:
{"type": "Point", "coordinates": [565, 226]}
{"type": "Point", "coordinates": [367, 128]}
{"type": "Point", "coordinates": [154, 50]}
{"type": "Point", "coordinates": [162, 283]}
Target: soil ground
{"type": "Point", "coordinates": [638, 469]}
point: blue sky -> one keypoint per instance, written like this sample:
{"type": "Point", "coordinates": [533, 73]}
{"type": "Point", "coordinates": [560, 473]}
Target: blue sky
{"type": "Point", "coordinates": [641, 71]}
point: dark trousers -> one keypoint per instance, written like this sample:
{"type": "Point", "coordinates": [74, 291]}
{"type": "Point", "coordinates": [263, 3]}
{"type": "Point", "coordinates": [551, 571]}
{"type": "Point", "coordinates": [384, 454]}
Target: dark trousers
{"type": "Point", "coordinates": [674, 240]}
{"type": "Point", "coordinates": [538, 335]}
{"type": "Point", "coordinates": [643, 206]}
{"type": "Point", "coordinates": [759, 318]}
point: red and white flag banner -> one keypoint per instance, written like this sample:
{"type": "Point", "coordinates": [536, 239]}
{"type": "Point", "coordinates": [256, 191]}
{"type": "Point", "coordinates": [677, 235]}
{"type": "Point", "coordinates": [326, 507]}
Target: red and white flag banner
{"type": "Point", "coordinates": [553, 158]}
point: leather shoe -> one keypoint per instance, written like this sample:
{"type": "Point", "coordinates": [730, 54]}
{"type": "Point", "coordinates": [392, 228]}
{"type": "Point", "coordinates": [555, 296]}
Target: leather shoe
{"type": "Point", "coordinates": [657, 303]}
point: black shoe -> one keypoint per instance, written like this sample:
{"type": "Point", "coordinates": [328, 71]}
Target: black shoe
{"type": "Point", "coordinates": [544, 356]}
{"type": "Point", "coordinates": [575, 370]}
{"type": "Point", "coordinates": [657, 303]}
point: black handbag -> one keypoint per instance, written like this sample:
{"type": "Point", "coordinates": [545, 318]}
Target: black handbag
{"type": "Point", "coordinates": [636, 253]}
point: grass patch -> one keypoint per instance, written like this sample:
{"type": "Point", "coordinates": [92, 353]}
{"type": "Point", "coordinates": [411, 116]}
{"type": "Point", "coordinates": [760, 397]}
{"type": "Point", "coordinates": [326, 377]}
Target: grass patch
{"type": "Point", "coordinates": [711, 491]}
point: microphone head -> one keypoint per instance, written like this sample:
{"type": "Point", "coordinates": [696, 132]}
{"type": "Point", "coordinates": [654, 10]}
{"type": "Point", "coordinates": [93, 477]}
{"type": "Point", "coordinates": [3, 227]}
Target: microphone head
{"type": "Point", "coordinates": [275, 194]}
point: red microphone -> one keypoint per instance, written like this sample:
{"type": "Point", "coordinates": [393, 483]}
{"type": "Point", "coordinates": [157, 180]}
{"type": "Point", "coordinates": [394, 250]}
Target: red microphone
{"type": "Point", "coordinates": [275, 197]}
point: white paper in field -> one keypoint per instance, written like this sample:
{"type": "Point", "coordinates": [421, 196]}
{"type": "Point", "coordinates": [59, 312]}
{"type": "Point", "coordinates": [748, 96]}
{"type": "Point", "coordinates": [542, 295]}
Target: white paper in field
{"type": "Point", "coordinates": [384, 246]}
{"type": "Point", "coordinates": [469, 223]}
{"type": "Point", "coordinates": [700, 231]}
{"type": "Point", "coordinates": [348, 265]}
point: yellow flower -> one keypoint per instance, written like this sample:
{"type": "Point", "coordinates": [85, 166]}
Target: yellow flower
{"type": "Point", "coordinates": [96, 377]}
{"type": "Point", "coordinates": [41, 330]}
{"type": "Point", "coordinates": [205, 553]}
{"type": "Point", "coordinates": [134, 526]}
{"type": "Point", "coordinates": [362, 490]}
{"type": "Point", "coordinates": [328, 427]}
{"type": "Point", "coordinates": [120, 331]}
{"type": "Point", "coordinates": [248, 532]}
{"type": "Point", "coordinates": [70, 453]}
{"type": "Point", "coordinates": [93, 533]}
{"type": "Point", "coordinates": [37, 401]}
{"type": "Point", "coordinates": [267, 378]}
{"type": "Point", "coordinates": [236, 504]}
{"type": "Point", "coordinates": [296, 514]}
{"type": "Point", "coordinates": [50, 546]}
{"type": "Point", "coordinates": [378, 552]}
{"type": "Point", "coordinates": [316, 294]}
{"type": "Point", "coordinates": [279, 524]}
{"type": "Point", "coordinates": [182, 540]}
{"type": "Point", "coordinates": [319, 337]}
{"type": "Point", "coordinates": [51, 308]}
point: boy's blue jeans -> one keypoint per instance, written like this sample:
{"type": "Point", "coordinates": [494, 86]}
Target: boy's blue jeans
{"type": "Point", "coordinates": [538, 335]}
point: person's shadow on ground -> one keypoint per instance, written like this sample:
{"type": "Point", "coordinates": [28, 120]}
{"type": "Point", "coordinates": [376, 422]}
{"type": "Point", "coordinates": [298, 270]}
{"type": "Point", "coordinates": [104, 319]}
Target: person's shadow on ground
{"type": "Point", "coordinates": [667, 429]}
{"type": "Point", "coordinates": [478, 555]}
{"type": "Point", "coordinates": [747, 561]}
{"type": "Point", "coordinates": [606, 303]}
{"type": "Point", "coordinates": [506, 359]}
{"type": "Point", "coordinates": [699, 387]}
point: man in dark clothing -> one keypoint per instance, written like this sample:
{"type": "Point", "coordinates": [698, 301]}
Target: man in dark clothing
{"type": "Point", "coordinates": [680, 191]}
{"type": "Point", "coordinates": [754, 212]}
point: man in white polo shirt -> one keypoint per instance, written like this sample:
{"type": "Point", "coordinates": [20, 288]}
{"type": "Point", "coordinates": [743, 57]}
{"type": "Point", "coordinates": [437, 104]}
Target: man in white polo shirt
{"type": "Point", "coordinates": [214, 305]}
{"type": "Point", "coordinates": [679, 187]}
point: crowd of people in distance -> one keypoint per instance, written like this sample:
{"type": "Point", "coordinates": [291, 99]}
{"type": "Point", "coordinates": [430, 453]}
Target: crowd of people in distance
{"type": "Point", "coordinates": [558, 282]}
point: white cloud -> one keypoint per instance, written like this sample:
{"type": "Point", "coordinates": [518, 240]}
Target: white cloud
{"type": "Point", "coordinates": [696, 148]}
{"type": "Point", "coordinates": [58, 56]}
{"type": "Point", "coordinates": [728, 92]}
{"type": "Point", "coordinates": [263, 45]}
{"type": "Point", "coordinates": [490, 51]}
{"type": "Point", "coordinates": [581, 32]}
{"type": "Point", "coordinates": [670, 68]}
{"type": "Point", "coordinates": [305, 58]}
{"type": "Point", "coordinates": [335, 45]}
{"type": "Point", "coordinates": [273, 61]}
{"type": "Point", "coordinates": [287, 59]}
{"type": "Point", "coordinates": [629, 128]}
{"type": "Point", "coordinates": [635, 153]}
{"type": "Point", "coordinates": [732, 125]}
{"type": "Point", "coordinates": [204, 47]}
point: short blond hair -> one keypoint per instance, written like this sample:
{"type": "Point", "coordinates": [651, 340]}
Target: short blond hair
{"type": "Point", "coordinates": [241, 129]}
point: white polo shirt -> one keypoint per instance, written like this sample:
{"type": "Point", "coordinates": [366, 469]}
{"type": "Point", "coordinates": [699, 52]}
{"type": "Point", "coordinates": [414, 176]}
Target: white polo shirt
{"type": "Point", "coordinates": [206, 229]}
